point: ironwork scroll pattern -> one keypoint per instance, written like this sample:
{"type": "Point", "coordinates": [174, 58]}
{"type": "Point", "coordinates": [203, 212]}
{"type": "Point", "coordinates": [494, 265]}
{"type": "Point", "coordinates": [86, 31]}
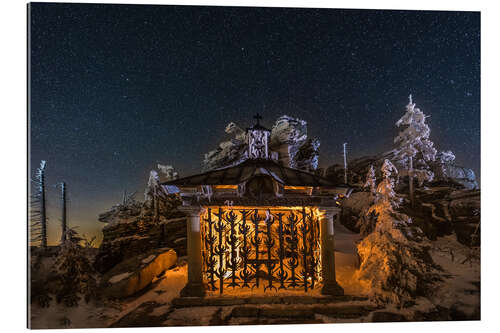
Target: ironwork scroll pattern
{"type": "Point", "coordinates": [271, 249]}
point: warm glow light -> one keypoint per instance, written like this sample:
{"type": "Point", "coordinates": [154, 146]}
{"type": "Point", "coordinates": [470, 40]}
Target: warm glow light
{"type": "Point", "coordinates": [233, 187]}
{"type": "Point", "coordinates": [264, 212]}
{"type": "Point", "coordinates": [297, 187]}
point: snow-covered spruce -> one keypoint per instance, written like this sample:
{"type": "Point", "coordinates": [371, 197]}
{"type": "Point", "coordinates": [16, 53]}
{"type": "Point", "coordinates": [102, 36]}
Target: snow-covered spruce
{"type": "Point", "coordinates": [395, 265]}
{"type": "Point", "coordinates": [415, 149]}
{"type": "Point", "coordinates": [371, 180]}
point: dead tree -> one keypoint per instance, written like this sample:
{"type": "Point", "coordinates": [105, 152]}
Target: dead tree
{"type": "Point", "coordinates": [64, 224]}
{"type": "Point", "coordinates": [38, 213]}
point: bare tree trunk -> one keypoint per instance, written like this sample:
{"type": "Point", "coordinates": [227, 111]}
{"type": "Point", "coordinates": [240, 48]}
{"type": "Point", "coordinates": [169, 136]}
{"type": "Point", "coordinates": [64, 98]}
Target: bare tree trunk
{"type": "Point", "coordinates": [64, 225]}
{"type": "Point", "coordinates": [410, 179]}
{"type": "Point", "coordinates": [43, 214]}
{"type": "Point", "coordinates": [345, 164]}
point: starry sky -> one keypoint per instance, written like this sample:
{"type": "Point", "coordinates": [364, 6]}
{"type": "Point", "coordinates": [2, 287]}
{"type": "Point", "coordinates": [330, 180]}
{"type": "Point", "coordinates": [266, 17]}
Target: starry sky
{"type": "Point", "coordinates": [116, 89]}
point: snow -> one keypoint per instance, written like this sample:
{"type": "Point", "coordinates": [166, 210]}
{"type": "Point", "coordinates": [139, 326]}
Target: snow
{"type": "Point", "coordinates": [119, 277]}
{"type": "Point", "coordinates": [104, 313]}
{"type": "Point", "coordinates": [148, 259]}
{"type": "Point", "coordinates": [414, 138]}
{"type": "Point", "coordinates": [458, 289]}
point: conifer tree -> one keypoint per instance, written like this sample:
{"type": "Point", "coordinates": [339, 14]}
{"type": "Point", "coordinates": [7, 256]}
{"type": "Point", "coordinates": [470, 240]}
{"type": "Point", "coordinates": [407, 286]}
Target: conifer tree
{"type": "Point", "coordinates": [74, 271]}
{"type": "Point", "coordinates": [152, 191]}
{"type": "Point", "coordinates": [414, 140]}
{"type": "Point", "coordinates": [371, 180]}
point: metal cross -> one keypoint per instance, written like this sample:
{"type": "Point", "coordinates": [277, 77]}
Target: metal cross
{"type": "Point", "coordinates": [258, 117]}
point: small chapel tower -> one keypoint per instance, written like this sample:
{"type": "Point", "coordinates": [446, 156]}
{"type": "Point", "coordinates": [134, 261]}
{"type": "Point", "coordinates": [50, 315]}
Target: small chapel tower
{"type": "Point", "coordinates": [258, 139]}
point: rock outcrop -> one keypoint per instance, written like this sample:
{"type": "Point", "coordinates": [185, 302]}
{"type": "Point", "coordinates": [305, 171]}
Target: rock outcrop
{"type": "Point", "coordinates": [135, 273]}
{"type": "Point", "coordinates": [444, 210]}
{"type": "Point", "coordinates": [445, 171]}
{"type": "Point", "coordinates": [438, 211]}
{"type": "Point", "coordinates": [288, 138]}
{"type": "Point", "coordinates": [131, 229]}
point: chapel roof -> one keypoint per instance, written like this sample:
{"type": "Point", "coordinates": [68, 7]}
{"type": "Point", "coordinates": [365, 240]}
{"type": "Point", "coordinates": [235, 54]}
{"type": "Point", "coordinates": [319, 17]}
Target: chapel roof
{"type": "Point", "coordinates": [237, 174]}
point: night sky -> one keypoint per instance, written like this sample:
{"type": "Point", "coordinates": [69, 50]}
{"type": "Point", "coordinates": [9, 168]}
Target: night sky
{"type": "Point", "coordinates": [116, 89]}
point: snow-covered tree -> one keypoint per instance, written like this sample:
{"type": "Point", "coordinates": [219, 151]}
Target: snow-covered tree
{"type": "Point", "coordinates": [75, 274]}
{"type": "Point", "coordinates": [393, 266]}
{"type": "Point", "coordinates": [379, 214]}
{"type": "Point", "coordinates": [385, 189]}
{"type": "Point", "coordinates": [371, 180]}
{"type": "Point", "coordinates": [414, 143]}
{"type": "Point", "coordinates": [152, 191]}
{"type": "Point", "coordinates": [38, 213]}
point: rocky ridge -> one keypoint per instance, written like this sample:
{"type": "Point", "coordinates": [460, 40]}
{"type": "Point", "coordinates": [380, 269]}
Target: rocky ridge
{"type": "Point", "coordinates": [445, 171]}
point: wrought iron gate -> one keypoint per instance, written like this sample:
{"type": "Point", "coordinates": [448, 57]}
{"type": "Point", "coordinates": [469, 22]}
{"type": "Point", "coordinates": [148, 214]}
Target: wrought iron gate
{"type": "Point", "coordinates": [271, 249]}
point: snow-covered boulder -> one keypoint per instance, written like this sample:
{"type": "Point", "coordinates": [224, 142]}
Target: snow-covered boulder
{"type": "Point", "coordinates": [307, 158]}
{"type": "Point", "coordinates": [136, 235]}
{"type": "Point", "coordinates": [136, 273]}
{"type": "Point", "coordinates": [288, 138]}
{"type": "Point", "coordinates": [353, 208]}
{"type": "Point", "coordinates": [445, 210]}
{"type": "Point", "coordinates": [288, 130]}
{"type": "Point", "coordinates": [445, 170]}
{"type": "Point", "coordinates": [132, 229]}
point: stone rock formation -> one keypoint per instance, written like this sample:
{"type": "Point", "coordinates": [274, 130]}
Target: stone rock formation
{"type": "Point", "coordinates": [445, 210]}
{"type": "Point", "coordinates": [131, 229]}
{"type": "Point", "coordinates": [307, 157]}
{"type": "Point", "coordinates": [288, 138]}
{"type": "Point", "coordinates": [445, 171]}
{"type": "Point", "coordinates": [137, 272]}
{"type": "Point", "coordinates": [439, 211]}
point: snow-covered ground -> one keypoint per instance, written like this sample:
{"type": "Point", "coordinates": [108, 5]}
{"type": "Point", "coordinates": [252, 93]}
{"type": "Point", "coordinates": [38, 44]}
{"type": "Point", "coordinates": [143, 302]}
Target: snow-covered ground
{"type": "Point", "coordinates": [459, 290]}
{"type": "Point", "coordinates": [97, 314]}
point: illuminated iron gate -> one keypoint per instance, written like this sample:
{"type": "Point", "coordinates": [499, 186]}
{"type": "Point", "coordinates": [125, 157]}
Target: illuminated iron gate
{"type": "Point", "coordinates": [269, 248]}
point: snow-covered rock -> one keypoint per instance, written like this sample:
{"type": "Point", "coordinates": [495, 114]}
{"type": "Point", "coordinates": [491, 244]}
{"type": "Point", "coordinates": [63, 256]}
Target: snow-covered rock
{"type": "Point", "coordinates": [288, 130]}
{"type": "Point", "coordinates": [353, 208]}
{"type": "Point", "coordinates": [288, 138]}
{"type": "Point", "coordinates": [445, 170]}
{"type": "Point", "coordinates": [136, 273]}
{"type": "Point", "coordinates": [132, 229]}
{"type": "Point", "coordinates": [307, 158]}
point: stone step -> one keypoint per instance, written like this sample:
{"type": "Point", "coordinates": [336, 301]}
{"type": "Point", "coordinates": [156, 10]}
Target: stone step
{"type": "Point", "coordinates": [344, 311]}
{"type": "Point", "coordinates": [181, 302]}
